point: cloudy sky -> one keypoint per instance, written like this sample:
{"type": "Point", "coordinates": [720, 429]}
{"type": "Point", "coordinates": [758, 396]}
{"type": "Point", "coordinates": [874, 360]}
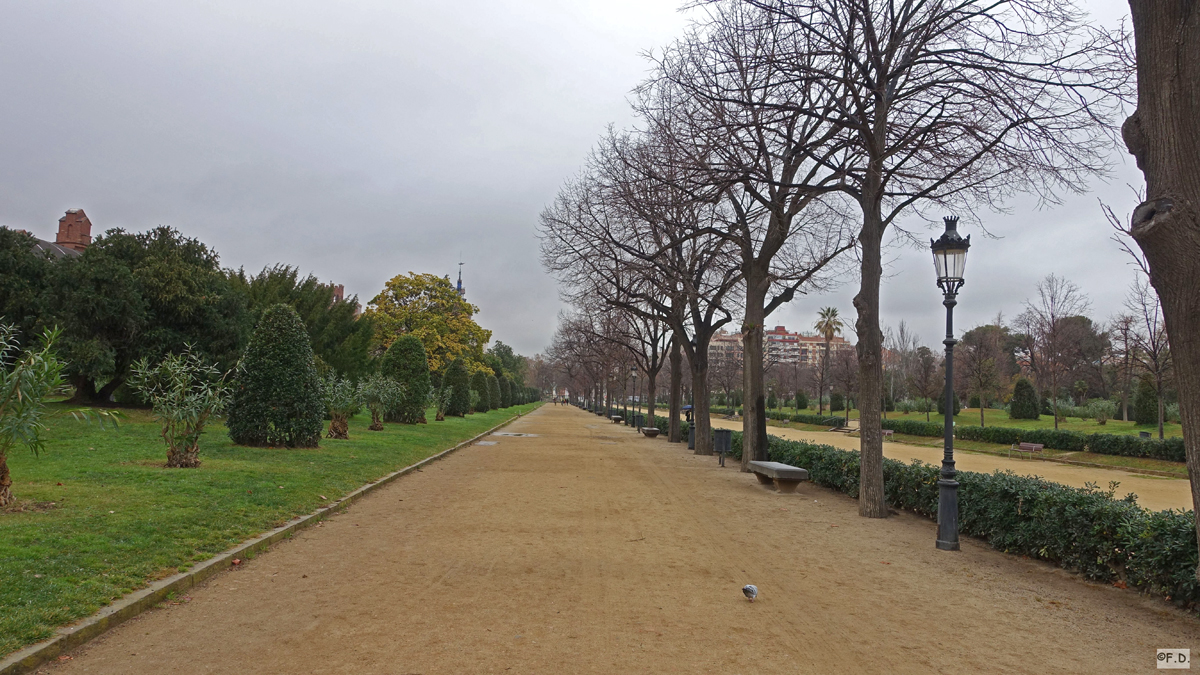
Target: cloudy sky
{"type": "Point", "coordinates": [360, 140]}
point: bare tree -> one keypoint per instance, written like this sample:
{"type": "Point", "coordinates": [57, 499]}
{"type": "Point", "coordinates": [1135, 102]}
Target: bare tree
{"type": "Point", "coordinates": [946, 104]}
{"type": "Point", "coordinates": [1161, 135]}
{"type": "Point", "coordinates": [768, 145]}
{"type": "Point", "coordinates": [1045, 321]}
{"type": "Point", "coordinates": [1123, 329]}
{"type": "Point", "coordinates": [1152, 351]}
{"type": "Point", "coordinates": [844, 377]}
{"type": "Point", "coordinates": [980, 364]}
{"type": "Point", "coordinates": [925, 377]}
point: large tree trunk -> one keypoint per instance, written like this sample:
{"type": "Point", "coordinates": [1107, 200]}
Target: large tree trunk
{"type": "Point", "coordinates": [1162, 134]}
{"type": "Point", "coordinates": [339, 428]}
{"type": "Point", "coordinates": [674, 429]}
{"type": "Point", "coordinates": [754, 419]}
{"type": "Point", "coordinates": [700, 406]}
{"type": "Point", "coordinates": [871, 502]}
{"type": "Point", "coordinates": [6, 495]}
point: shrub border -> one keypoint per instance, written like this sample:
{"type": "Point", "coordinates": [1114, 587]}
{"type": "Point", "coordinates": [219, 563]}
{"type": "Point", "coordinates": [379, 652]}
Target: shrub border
{"type": "Point", "coordinates": [28, 659]}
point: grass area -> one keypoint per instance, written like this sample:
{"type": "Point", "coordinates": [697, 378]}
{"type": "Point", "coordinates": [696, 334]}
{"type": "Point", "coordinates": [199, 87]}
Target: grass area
{"type": "Point", "coordinates": [99, 516]}
{"type": "Point", "coordinates": [999, 418]}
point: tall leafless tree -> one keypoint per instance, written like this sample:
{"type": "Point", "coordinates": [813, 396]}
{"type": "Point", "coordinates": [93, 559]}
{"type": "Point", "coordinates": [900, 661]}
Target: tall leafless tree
{"type": "Point", "coordinates": [949, 104]}
{"type": "Point", "coordinates": [1152, 351]}
{"type": "Point", "coordinates": [1045, 321]}
{"type": "Point", "coordinates": [766, 142]}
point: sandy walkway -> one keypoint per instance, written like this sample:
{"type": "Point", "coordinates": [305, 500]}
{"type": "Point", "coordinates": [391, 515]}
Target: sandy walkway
{"type": "Point", "coordinates": [1153, 492]}
{"type": "Point", "coordinates": [589, 549]}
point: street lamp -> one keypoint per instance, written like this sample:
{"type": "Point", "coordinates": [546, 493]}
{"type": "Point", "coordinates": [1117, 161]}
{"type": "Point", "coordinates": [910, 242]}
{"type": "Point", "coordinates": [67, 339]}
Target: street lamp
{"type": "Point", "coordinates": [637, 403]}
{"type": "Point", "coordinates": [949, 260]}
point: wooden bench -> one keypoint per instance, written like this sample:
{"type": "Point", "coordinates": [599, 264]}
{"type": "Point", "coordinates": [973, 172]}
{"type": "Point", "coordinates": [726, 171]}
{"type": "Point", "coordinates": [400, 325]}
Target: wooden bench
{"type": "Point", "coordinates": [785, 478]}
{"type": "Point", "coordinates": [1028, 448]}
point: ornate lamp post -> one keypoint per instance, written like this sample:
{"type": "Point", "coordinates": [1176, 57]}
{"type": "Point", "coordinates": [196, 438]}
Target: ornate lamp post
{"type": "Point", "coordinates": [637, 403]}
{"type": "Point", "coordinates": [949, 259]}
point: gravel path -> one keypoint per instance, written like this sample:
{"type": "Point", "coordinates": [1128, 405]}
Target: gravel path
{"type": "Point", "coordinates": [589, 549]}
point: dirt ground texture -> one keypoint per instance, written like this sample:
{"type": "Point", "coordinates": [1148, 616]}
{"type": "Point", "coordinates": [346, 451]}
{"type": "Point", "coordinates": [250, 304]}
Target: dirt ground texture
{"type": "Point", "coordinates": [590, 549]}
{"type": "Point", "coordinates": [1153, 492]}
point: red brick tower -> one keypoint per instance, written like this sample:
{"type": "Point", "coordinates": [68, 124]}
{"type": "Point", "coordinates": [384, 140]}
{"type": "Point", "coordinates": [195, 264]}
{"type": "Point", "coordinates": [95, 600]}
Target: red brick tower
{"type": "Point", "coordinates": [74, 230]}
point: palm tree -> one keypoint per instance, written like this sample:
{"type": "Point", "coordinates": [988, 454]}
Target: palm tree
{"type": "Point", "coordinates": [829, 325]}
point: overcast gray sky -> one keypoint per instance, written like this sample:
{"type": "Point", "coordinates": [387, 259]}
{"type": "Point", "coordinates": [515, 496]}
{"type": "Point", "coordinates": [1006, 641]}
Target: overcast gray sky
{"type": "Point", "coordinates": [360, 140]}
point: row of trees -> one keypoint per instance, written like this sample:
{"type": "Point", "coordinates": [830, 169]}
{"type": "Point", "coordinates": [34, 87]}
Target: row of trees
{"type": "Point", "coordinates": [776, 135]}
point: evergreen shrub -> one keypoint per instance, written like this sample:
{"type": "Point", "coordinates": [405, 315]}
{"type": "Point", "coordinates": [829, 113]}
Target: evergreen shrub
{"type": "Point", "coordinates": [836, 402]}
{"type": "Point", "coordinates": [941, 404]}
{"type": "Point", "coordinates": [1145, 403]}
{"type": "Point", "coordinates": [277, 397]}
{"type": "Point", "coordinates": [457, 381]}
{"type": "Point", "coordinates": [1024, 405]}
{"type": "Point", "coordinates": [479, 385]}
{"type": "Point", "coordinates": [406, 363]}
{"type": "Point", "coordinates": [493, 392]}
{"type": "Point", "coordinates": [505, 392]}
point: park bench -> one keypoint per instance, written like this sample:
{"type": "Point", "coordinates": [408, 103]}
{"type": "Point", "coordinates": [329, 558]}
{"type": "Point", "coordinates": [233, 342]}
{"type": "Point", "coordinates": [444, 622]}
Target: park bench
{"type": "Point", "coordinates": [618, 419]}
{"type": "Point", "coordinates": [1028, 448]}
{"type": "Point", "coordinates": [784, 477]}
{"type": "Point", "coordinates": [887, 433]}
{"type": "Point", "coordinates": [651, 432]}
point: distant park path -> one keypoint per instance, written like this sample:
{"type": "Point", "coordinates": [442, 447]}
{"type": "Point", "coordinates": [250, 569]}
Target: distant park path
{"type": "Point", "coordinates": [589, 549]}
{"type": "Point", "coordinates": [1154, 492]}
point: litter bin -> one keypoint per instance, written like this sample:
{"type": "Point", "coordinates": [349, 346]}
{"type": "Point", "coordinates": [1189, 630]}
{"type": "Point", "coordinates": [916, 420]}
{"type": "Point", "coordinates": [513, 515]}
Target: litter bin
{"type": "Point", "coordinates": [1144, 434]}
{"type": "Point", "coordinates": [691, 437]}
{"type": "Point", "coordinates": [639, 421]}
{"type": "Point", "coordinates": [723, 443]}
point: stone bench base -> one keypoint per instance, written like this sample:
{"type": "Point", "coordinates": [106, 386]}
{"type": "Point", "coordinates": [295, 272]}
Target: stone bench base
{"type": "Point", "coordinates": [783, 477]}
{"type": "Point", "coordinates": [651, 432]}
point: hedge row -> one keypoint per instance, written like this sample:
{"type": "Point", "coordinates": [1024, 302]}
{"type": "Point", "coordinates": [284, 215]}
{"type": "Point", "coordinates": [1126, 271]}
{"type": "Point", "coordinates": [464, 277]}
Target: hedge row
{"type": "Point", "coordinates": [1170, 449]}
{"type": "Point", "coordinates": [1084, 530]}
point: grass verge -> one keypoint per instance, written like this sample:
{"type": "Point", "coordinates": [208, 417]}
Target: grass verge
{"type": "Point", "coordinates": [99, 516]}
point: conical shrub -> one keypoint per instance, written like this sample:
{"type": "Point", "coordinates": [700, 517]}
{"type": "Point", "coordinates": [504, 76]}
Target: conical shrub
{"type": "Point", "coordinates": [479, 384]}
{"type": "Point", "coordinates": [406, 363]}
{"type": "Point", "coordinates": [493, 389]}
{"type": "Point", "coordinates": [460, 396]}
{"type": "Point", "coordinates": [277, 394]}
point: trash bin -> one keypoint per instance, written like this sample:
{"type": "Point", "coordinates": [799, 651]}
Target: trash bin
{"type": "Point", "coordinates": [1144, 434]}
{"type": "Point", "coordinates": [691, 437]}
{"type": "Point", "coordinates": [639, 420]}
{"type": "Point", "coordinates": [722, 443]}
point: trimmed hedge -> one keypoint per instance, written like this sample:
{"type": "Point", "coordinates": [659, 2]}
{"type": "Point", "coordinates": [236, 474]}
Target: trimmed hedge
{"type": "Point", "coordinates": [1084, 530]}
{"type": "Point", "coordinates": [460, 387]}
{"type": "Point", "coordinates": [914, 427]}
{"type": "Point", "coordinates": [405, 362]}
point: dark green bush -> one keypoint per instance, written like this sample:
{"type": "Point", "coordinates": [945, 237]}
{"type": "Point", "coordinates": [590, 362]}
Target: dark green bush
{"type": "Point", "coordinates": [941, 404]}
{"type": "Point", "coordinates": [836, 402]}
{"type": "Point", "coordinates": [505, 392]}
{"type": "Point", "coordinates": [460, 397]}
{"type": "Point", "coordinates": [1084, 530]}
{"type": "Point", "coordinates": [915, 427]}
{"type": "Point", "coordinates": [479, 385]}
{"type": "Point", "coordinates": [406, 363]}
{"type": "Point", "coordinates": [772, 402]}
{"type": "Point", "coordinates": [819, 420]}
{"type": "Point", "coordinates": [801, 400]}
{"type": "Point", "coordinates": [277, 394]}
{"type": "Point", "coordinates": [1024, 405]}
{"type": "Point", "coordinates": [493, 392]}
{"type": "Point", "coordinates": [1145, 403]}
{"type": "Point", "coordinates": [1170, 449]}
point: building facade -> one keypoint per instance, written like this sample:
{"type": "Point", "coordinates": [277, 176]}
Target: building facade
{"type": "Point", "coordinates": [780, 346]}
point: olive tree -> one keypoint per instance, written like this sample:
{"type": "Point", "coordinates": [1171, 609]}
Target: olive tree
{"type": "Point", "coordinates": [184, 391]}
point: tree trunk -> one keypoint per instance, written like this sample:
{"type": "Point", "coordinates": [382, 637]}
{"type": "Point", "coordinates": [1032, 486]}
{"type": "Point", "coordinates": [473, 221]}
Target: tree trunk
{"type": "Point", "coordinates": [754, 413]}
{"type": "Point", "coordinates": [6, 495]}
{"type": "Point", "coordinates": [871, 503]}
{"type": "Point", "coordinates": [184, 457]}
{"type": "Point", "coordinates": [700, 407]}
{"type": "Point", "coordinates": [651, 388]}
{"type": "Point", "coordinates": [339, 428]}
{"type": "Point", "coordinates": [376, 422]}
{"type": "Point", "coordinates": [674, 434]}
{"type": "Point", "coordinates": [1161, 135]}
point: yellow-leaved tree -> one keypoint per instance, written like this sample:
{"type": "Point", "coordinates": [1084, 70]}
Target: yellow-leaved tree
{"type": "Point", "coordinates": [428, 307]}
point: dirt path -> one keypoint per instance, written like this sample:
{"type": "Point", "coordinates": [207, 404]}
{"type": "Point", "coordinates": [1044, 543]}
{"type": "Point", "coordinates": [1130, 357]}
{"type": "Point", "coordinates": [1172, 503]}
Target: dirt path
{"type": "Point", "coordinates": [1153, 492]}
{"type": "Point", "coordinates": [589, 549]}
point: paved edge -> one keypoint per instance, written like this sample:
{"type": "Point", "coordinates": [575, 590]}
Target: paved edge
{"type": "Point", "coordinates": [69, 637]}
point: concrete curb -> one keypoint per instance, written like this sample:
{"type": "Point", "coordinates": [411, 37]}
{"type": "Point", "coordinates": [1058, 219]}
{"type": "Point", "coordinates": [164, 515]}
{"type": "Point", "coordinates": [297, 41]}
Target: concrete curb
{"type": "Point", "coordinates": [69, 637]}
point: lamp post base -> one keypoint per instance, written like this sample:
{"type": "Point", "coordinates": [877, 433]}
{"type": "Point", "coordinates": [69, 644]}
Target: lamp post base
{"type": "Point", "coordinates": [947, 537]}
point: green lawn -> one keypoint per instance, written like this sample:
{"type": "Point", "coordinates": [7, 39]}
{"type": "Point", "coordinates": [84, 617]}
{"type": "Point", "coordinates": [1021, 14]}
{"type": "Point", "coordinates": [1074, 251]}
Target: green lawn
{"type": "Point", "coordinates": [99, 516]}
{"type": "Point", "coordinates": [999, 418]}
